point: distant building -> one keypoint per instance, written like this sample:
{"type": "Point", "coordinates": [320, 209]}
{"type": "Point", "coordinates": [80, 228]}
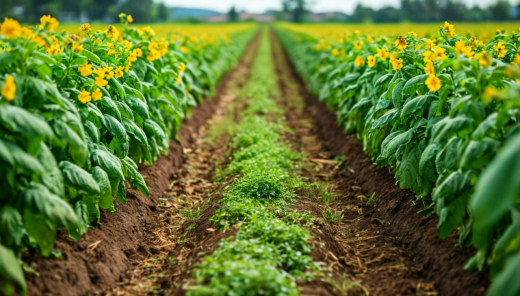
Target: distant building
{"type": "Point", "coordinates": [222, 18]}
{"type": "Point", "coordinates": [261, 18]}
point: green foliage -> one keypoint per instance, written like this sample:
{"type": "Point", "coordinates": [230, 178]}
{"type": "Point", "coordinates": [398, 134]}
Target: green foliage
{"type": "Point", "coordinates": [265, 248]}
{"type": "Point", "coordinates": [455, 146]}
{"type": "Point", "coordinates": [63, 156]}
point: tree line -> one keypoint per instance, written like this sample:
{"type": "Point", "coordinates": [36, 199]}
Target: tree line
{"type": "Point", "coordinates": [30, 11]}
{"type": "Point", "coordinates": [413, 11]}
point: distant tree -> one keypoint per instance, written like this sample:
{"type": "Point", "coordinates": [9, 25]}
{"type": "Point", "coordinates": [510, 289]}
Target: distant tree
{"type": "Point", "coordinates": [233, 15]}
{"type": "Point", "coordinates": [297, 8]}
{"type": "Point", "coordinates": [142, 11]}
{"type": "Point", "coordinates": [454, 10]}
{"type": "Point", "coordinates": [98, 10]}
{"type": "Point", "coordinates": [387, 14]}
{"type": "Point", "coordinates": [163, 12]}
{"type": "Point", "coordinates": [500, 11]}
{"type": "Point", "coordinates": [362, 14]}
{"type": "Point", "coordinates": [477, 14]}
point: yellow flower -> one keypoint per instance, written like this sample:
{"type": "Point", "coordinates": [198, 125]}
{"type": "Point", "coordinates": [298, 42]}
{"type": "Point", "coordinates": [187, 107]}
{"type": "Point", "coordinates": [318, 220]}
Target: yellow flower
{"type": "Point", "coordinates": [397, 64]}
{"type": "Point", "coordinates": [438, 54]}
{"type": "Point", "coordinates": [85, 28]}
{"type": "Point", "coordinates": [450, 31]}
{"type": "Point", "coordinates": [52, 22]}
{"type": "Point", "coordinates": [468, 51]}
{"type": "Point", "coordinates": [132, 56]}
{"type": "Point", "coordinates": [179, 79]}
{"type": "Point", "coordinates": [335, 52]}
{"type": "Point", "coordinates": [516, 61]}
{"type": "Point", "coordinates": [55, 48]}
{"type": "Point", "coordinates": [371, 61]}
{"type": "Point", "coordinates": [129, 19]}
{"type": "Point", "coordinates": [86, 69]}
{"type": "Point", "coordinates": [490, 92]}
{"type": "Point", "coordinates": [98, 42]}
{"type": "Point", "coordinates": [138, 52]}
{"type": "Point", "coordinates": [27, 33]}
{"type": "Point", "coordinates": [400, 43]}
{"type": "Point", "coordinates": [97, 94]}
{"type": "Point", "coordinates": [429, 69]}
{"type": "Point", "coordinates": [370, 38]}
{"type": "Point", "coordinates": [77, 47]}
{"type": "Point", "coordinates": [383, 54]}
{"type": "Point", "coordinates": [108, 72]}
{"type": "Point", "coordinates": [500, 49]}
{"type": "Point", "coordinates": [100, 81]}
{"type": "Point", "coordinates": [426, 56]}
{"type": "Point", "coordinates": [358, 44]}
{"type": "Point", "coordinates": [127, 67]}
{"type": "Point", "coordinates": [112, 32]}
{"type": "Point", "coordinates": [433, 83]}
{"type": "Point", "coordinates": [360, 61]}
{"type": "Point", "coordinates": [9, 88]}
{"type": "Point", "coordinates": [394, 56]}
{"type": "Point", "coordinates": [119, 71]}
{"type": "Point", "coordinates": [429, 44]}
{"type": "Point", "coordinates": [460, 45]}
{"type": "Point", "coordinates": [84, 97]}
{"type": "Point", "coordinates": [10, 28]}
{"type": "Point", "coordinates": [185, 49]}
{"type": "Point", "coordinates": [127, 44]}
{"type": "Point", "coordinates": [182, 67]}
{"type": "Point", "coordinates": [484, 59]}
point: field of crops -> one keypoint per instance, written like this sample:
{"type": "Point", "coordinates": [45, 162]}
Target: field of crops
{"type": "Point", "coordinates": [238, 159]}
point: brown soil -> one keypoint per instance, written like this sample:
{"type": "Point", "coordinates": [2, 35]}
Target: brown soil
{"type": "Point", "coordinates": [100, 258]}
{"type": "Point", "coordinates": [387, 246]}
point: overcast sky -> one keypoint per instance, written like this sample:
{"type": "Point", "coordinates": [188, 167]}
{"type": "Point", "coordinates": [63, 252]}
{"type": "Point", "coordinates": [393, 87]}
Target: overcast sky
{"type": "Point", "coordinates": [259, 6]}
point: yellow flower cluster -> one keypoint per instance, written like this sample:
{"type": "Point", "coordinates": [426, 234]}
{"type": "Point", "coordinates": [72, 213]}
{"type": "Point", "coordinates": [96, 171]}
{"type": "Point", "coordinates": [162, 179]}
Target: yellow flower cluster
{"type": "Point", "coordinates": [9, 88]}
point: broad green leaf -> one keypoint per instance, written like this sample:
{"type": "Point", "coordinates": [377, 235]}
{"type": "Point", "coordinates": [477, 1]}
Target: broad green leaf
{"type": "Point", "coordinates": [415, 104]}
{"type": "Point", "coordinates": [22, 121]}
{"type": "Point", "coordinates": [506, 283]}
{"type": "Point", "coordinates": [397, 95]}
{"type": "Point", "coordinates": [498, 187]}
{"type": "Point", "coordinates": [92, 57]}
{"type": "Point", "coordinates": [414, 83]}
{"type": "Point", "coordinates": [11, 273]}
{"type": "Point", "coordinates": [105, 195]}
{"type": "Point", "coordinates": [109, 163]}
{"type": "Point", "coordinates": [78, 178]}
{"type": "Point", "coordinates": [52, 179]}
{"type": "Point", "coordinates": [5, 154]}
{"type": "Point", "coordinates": [23, 160]}
{"type": "Point", "coordinates": [138, 106]}
{"type": "Point", "coordinates": [11, 227]}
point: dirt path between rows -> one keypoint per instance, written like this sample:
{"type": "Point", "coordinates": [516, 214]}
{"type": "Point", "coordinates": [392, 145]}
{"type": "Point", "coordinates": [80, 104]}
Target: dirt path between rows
{"type": "Point", "coordinates": [100, 259]}
{"type": "Point", "coordinates": [385, 244]}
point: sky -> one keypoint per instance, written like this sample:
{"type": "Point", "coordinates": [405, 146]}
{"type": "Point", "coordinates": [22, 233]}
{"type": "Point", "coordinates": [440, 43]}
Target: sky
{"type": "Point", "coordinates": [259, 6]}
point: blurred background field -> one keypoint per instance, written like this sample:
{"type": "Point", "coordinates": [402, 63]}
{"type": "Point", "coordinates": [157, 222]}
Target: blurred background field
{"type": "Point", "coordinates": [380, 17]}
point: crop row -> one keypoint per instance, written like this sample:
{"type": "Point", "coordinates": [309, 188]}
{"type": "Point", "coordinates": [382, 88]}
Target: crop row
{"type": "Point", "coordinates": [78, 113]}
{"type": "Point", "coordinates": [443, 114]}
{"type": "Point", "coordinates": [271, 248]}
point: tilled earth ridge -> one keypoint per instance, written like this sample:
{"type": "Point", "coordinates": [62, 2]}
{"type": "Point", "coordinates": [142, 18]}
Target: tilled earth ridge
{"type": "Point", "coordinates": [99, 260]}
{"type": "Point", "coordinates": [175, 234]}
{"type": "Point", "coordinates": [391, 248]}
